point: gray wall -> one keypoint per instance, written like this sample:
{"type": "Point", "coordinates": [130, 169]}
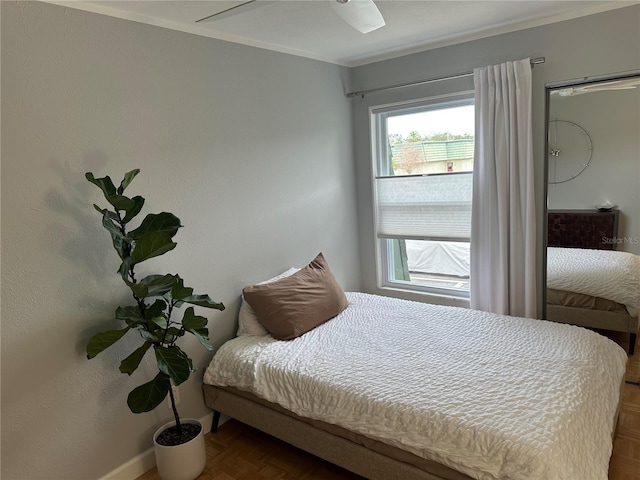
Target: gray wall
{"type": "Point", "coordinates": [251, 149]}
{"type": "Point", "coordinates": [594, 45]}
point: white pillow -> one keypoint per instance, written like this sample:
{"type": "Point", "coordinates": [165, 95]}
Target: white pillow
{"type": "Point", "coordinates": [248, 323]}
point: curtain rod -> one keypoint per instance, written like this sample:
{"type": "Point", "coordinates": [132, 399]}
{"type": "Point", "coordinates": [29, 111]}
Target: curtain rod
{"type": "Point", "coordinates": [362, 93]}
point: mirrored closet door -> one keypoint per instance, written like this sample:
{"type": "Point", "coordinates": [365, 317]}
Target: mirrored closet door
{"type": "Point", "coordinates": [593, 201]}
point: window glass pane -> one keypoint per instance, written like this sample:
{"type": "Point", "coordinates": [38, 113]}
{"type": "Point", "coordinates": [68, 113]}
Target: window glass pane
{"type": "Point", "coordinates": [438, 264]}
{"type": "Point", "coordinates": [438, 140]}
{"type": "Point", "coordinates": [423, 191]}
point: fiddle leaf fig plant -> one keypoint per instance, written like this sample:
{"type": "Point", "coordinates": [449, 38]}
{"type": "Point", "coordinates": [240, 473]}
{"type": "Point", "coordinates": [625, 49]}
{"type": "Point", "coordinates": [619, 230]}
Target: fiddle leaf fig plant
{"type": "Point", "coordinates": [155, 297]}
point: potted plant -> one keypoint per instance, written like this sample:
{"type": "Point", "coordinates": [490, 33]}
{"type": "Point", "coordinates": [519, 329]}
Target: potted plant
{"type": "Point", "coordinates": [156, 299]}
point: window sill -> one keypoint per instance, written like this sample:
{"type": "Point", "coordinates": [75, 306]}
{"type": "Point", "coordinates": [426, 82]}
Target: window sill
{"type": "Point", "coordinates": [424, 297]}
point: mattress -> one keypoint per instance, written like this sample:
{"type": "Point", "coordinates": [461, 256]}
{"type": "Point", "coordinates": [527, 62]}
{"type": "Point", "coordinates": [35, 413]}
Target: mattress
{"type": "Point", "coordinates": [487, 395]}
{"type": "Point", "coordinates": [608, 274]}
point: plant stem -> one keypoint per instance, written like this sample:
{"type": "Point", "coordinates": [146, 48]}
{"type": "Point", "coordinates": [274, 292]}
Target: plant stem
{"type": "Point", "coordinates": [175, 411]}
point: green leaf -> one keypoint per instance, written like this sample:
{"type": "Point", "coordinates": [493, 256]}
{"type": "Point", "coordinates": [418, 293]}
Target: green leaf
{"type": "Point", "coordinates": [152, 286]}
{"type": "Point", "coordinates": [134, 210]}
{"type": "Point", "coordinates": [131, 363]}
{"type": "Point", "coordinates": [148, 396]}
{"type": "Point", "coordinates": [175, 332]}
{"type": "Point", "coordinates": [151, 245]}
{"type": "Point", "coordinates": [190, 321]}
{"type": "Point", "coordinates": [124, 268]}
{"type": "Point", "coordinates": [202, 334]}
{"type": "Point", "coordinates": [120, 246]}
{"type": "Point", "coordinates": [197, 325]}
{"type": "Point", "coordinates": [104, 211]}
{"type": "Point", "coordinates": [159, 284]}
{"type": "Point", "coordinates": [157, 222]}
{"type": "Point", "coordinates": [103, 340]}
{"type": "Point", "coordinates": [182, 354]}
{"type": "Point", "coordinates": [179, 291]}
{"type": "Point", "coordinates": [140, 290]}
{"type": "Point", "coordinates": [120, 202]}
{"type": "Point", "coordinates": [128, 178]}
{"type": "Point", "coordinates": [203, 301]}
{"type": "Point", "coordinates": [119, 241]}
{"type": "Point", "coordinates": [105, 184]}
{"type": "Point", "coordinates": [172, 363]}
{"type": "Point", "coordinates": [156, 309]}
{"type": "Point", "coordinates": [160, 321]}
{"type": "Point", "coordinates": [131, 315]}
{"type": "Point", "coordinates": [107, 223]}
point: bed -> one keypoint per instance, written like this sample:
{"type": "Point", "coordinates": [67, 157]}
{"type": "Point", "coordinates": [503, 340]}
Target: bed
{"type": "Point", "coordinates": [393, 389]}
{"type": "Point", "coordinates": [589, 282]}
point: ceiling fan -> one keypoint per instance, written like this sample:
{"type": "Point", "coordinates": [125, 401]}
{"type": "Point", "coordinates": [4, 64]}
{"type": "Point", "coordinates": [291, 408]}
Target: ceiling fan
{"type": "Point", "coordinates": [598, 87]}
{"type": "Point", "coordinates": [363, 15]}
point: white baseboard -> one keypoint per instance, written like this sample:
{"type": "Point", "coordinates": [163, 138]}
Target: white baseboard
{"type": "Point", "coordinates": [145, 461]}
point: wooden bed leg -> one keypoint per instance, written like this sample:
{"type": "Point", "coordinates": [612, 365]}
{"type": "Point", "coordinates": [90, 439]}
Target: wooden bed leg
{"type": "Point", "coordinates": [215, 422]}
{"type": "Point", "coordinates": [632, 343]}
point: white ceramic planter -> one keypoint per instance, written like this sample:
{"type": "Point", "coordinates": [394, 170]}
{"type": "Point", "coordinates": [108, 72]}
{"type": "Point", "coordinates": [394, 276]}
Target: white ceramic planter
{"type": "Point", "coordinates": [181, 462]}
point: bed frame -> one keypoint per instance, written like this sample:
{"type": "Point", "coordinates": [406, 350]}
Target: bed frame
{"type": "Point", "coordinates": [597, 319]}
{"type": "Point", "coordinates": [329, 443]}
{"type": "Point", "coordinates": [588, 229]}
{"type": "Point", "coordinates": [311, 438]}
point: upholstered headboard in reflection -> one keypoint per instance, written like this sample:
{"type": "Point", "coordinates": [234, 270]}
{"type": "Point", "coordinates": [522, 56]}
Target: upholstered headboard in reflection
{"type": "Point", "coordinates": [582, 229]}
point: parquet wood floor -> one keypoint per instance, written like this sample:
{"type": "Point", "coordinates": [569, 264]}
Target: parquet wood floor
{"type": "Point", "coordinates": [239, 452]}
{"type": "Point", "coordinates": [625, 460]}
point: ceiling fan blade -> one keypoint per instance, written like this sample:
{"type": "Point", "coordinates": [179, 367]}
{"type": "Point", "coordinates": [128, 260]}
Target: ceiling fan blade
{"type": "Point", "coordinates": [621, 84]}
{"type": "Point", "coordinates": [612, 85]}
{"type": "Point", "coordinates": [235, 10]}
{"type": "Point", "coordinates": [363, 15]}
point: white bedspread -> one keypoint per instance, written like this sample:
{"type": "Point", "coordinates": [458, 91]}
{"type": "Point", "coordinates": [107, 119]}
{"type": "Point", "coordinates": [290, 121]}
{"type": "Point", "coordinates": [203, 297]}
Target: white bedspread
{"type": "Point", "coordinates": [488, 395]}
{"type": "Point", "coordinates": [601, 273]}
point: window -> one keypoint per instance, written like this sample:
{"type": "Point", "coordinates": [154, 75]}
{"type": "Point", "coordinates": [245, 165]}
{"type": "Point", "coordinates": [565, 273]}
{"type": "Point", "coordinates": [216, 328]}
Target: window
{"type": "Point", "coordinates": [423, 167]}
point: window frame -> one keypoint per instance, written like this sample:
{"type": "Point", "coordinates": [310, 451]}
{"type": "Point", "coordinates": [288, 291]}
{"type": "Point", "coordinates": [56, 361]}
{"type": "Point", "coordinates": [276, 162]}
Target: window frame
{"type": "Point", "coordinates": [380, 168]}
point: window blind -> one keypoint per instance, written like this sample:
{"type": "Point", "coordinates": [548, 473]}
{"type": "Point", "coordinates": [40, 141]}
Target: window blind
{"type": "Point", "coordinates": [435, 207]}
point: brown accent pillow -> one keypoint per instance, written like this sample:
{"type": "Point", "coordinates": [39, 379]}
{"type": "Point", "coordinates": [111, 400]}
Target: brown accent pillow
{"type": "Point", "coordinates": [294, 305]}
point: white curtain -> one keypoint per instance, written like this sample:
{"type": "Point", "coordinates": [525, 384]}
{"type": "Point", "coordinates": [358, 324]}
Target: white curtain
{"type": "Point", "coordinates": [503, 220]}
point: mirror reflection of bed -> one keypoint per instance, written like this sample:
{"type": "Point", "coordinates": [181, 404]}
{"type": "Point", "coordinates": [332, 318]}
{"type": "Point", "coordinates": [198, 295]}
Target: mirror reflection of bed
{"type": "Point", "coordinates": [589, 282]}
{"type": "Point", "coordinates": [593, 262]}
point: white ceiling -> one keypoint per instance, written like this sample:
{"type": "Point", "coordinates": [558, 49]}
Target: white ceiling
{"type": "Point", "coordinates": [310, 28]}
